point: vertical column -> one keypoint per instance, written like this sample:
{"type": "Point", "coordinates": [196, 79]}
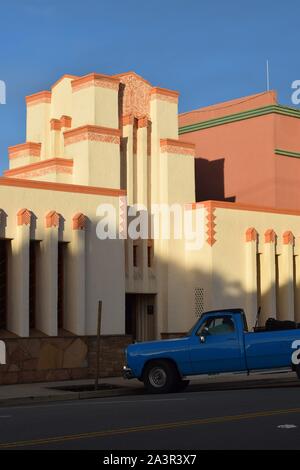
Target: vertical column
{"type": "Point", "coordinates": [127, 122]}
{"type": "Point", "coordinates": [268, 277]}
{"type": "Point", "coordinates": [55, 138]}
{"type": "Point", "coordinates": [142, 161]}
{"type": "Point", "coordinates": [47, 298]}
{"type": "Point", "coordinates": [251, 276]}
{"type": "Point", "coordinates": [18, 319]}
{"type": "Point", "coordinates": [37, 122]}
{"type": "Point", "coordinates": [287, 307]}
{"type": "Point", "coordinates": [75, 317]}
{"type": "Point", "coordinates": [66, 123]}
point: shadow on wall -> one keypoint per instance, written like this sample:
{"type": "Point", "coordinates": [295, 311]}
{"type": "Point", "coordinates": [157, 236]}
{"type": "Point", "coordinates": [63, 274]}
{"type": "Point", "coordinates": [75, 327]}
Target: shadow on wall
{"type": "Point", "coordinates": [206, 292]}
{"type": "Point", "coordinates": [210, 180]}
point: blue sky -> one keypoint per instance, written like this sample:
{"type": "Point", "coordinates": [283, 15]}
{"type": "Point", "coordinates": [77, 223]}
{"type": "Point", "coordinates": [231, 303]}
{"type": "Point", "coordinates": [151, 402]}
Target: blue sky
{"type": "Point", "coordinates": [209, 50]}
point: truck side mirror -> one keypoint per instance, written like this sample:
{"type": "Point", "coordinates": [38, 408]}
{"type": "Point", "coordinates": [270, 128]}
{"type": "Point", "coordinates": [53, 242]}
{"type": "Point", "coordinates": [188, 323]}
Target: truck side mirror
{"type": "Point", "coordinates": [202, 339]}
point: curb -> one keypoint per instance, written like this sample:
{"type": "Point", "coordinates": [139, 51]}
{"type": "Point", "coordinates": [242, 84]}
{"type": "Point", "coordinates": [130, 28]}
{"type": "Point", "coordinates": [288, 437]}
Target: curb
{"type": "Point", "coordinates": [69, 396]}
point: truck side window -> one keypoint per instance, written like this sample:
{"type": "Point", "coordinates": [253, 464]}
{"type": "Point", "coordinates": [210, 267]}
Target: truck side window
{"type": "Point", "coordinates": [217, 326]}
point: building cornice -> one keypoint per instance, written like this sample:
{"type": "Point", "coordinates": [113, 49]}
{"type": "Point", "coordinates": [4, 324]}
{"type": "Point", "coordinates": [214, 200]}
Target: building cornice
{"type": "Point", "coordinates": [93, 133]}
{"type": "Point", "coordinates": [287, 153]}
{"type": "Point", "coordinates": [51, 162]}
{"type": "Point", "coordinates": [240, 207]}
{"type": "Point", "coordinates": [38, 98]}
{"type": "Point", "coordinates": [177, 146]}
{"type": "Point", "coordinates": [27, 149]}
{"type": "Point", "coordinates": [62, 187]}
{"type": "Point", "coordinates": [97, 80]}
{"type": "Point", "coordinates": [252, 113]}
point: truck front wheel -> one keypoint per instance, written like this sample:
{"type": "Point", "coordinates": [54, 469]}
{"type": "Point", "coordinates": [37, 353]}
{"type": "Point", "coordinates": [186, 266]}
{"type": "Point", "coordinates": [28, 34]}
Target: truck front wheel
{"type": "Point", "coordinates": [160, 377]}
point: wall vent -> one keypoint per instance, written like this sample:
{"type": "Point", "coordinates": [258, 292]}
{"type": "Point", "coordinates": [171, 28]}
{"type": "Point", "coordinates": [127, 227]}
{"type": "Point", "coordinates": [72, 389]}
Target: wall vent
{"type": "Point", "coordinates": [199, 301]}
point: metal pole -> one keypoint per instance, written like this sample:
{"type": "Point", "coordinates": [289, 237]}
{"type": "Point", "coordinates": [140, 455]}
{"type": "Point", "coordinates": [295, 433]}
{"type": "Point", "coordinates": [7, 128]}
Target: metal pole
{"type": "Point", "coordinates": [98, 343]}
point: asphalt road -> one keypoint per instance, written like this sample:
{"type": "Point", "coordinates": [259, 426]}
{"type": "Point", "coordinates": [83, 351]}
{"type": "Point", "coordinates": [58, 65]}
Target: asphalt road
{"type": "Point", "coordinates": [215, 419]}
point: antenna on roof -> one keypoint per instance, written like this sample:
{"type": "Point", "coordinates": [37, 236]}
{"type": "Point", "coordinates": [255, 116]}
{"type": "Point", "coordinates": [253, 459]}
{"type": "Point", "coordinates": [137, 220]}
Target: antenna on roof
{"type": "Point", "coordinates": [268, 75]}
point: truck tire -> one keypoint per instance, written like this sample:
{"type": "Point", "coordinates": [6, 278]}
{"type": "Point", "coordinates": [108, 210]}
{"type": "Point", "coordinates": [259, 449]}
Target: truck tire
{"type": "Point", "coordinates": [160, 377]}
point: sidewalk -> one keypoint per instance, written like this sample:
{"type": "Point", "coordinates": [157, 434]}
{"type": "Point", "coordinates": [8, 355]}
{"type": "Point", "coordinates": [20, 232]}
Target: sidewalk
{"type": "Point", "coordinates": [51, 391]}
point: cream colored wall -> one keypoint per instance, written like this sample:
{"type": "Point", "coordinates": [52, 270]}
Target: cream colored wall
{"type": "Point", "coordinates": [230, 278]}
{"type": "Point", "coordinates": [38, 126]}
{"type": "Point", "coordinates": [61, 99]}
{"type": "Point", "coordinates": [95, 106]}
{"type": "Point", "coordinates": [104, 262]}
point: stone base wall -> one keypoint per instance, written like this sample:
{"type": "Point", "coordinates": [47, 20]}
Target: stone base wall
{"type": "Point", "coordinates": [47, 359]}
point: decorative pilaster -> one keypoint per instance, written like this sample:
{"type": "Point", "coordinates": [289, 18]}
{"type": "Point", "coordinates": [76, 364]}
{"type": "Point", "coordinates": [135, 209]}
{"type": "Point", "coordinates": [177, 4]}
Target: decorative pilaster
{"type": "Point", "coordinates": [251, 239]}
{"type": "Point", "coordinates": [55, 137]}
{"type": "Point", "coordinates": [142, 161]}
{"type": "Point", "coordinates": [18, 319]}
{"type": "Point", "coordinates": [286, 285]}
{"type": "Point", "coordinates": [127, 154]}
{"type": "Point", "coordinates": [48, 282]}
{"type": "Point", "coordinates": [268, 277]}
{"type": "Point", "coordinates": [76, 302]}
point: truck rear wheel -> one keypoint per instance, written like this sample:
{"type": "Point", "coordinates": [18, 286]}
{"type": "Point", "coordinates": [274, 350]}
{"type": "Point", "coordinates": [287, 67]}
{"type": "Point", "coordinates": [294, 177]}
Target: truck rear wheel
{"type": "Point", "coordinates": [160, 377]}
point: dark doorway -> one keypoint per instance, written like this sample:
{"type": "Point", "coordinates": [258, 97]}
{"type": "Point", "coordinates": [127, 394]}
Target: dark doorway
{"type": "Point", "coordinates": [140, 316]}
{"type": "Point", "coordinates": [3, 283]}
{"type": "Point", "coordinates": [61, 251]}
{"type": "Point", "coordinates": [33, 250]}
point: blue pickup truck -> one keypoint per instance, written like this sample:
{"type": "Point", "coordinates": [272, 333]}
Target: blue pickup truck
{"type": "Point", "coordinates": [218, 343]}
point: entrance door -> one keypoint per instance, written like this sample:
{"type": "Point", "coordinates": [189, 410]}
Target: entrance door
{"type": "Point", "coordinates": [140, 316]}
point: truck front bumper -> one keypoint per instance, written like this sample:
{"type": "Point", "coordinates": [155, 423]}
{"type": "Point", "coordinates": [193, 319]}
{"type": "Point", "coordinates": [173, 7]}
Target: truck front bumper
{"type": "Point", "coordinates": [127, 373]}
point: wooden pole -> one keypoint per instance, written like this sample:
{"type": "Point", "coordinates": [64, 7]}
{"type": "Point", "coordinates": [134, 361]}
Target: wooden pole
{"type": "Point", "coordinates": [98, 344]}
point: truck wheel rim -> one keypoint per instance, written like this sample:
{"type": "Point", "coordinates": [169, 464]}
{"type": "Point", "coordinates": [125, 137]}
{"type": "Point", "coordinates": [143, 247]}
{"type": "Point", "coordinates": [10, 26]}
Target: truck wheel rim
{"type": "Point", "coordinates": [157, 377]}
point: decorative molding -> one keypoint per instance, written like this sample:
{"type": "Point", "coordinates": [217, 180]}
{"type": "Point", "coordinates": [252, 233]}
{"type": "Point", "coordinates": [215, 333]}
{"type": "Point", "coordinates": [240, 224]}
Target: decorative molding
{"type": "Point", "coordinates": [288, 238]}
{"type": "Point", "coordinates": [177, 146]}
{"type": "Point", "coordinates": [92, 133]}
{"type": "Point", "coordinates": [241, 207]}
{"type": "Point", "coordinates": [262, 111]}
{"type": "Point", "coordinates": [23, 217]}
{"type": "Point", "coordinates": [164, 94]}
{"type": "Point", "coordinates": [270, 236]}
{"type": "Point", "coordinates": [131, 74]}
{"type": "Point", "coordinates": [134, 95]}
{"type": "Point", "coordinates": [38, 98]}
{"type": "Point", "coordinates": [28, 149]}
{"type": "Point", "coordinates": [66, 121]}
{"type": "Point", "coordinates": [60, 165]}
{"type": "Point", "coordinates": [127, 120]}
{"type": "Point", "coordinates": [52, 219]}
{"type": "Point", "coordinates": [251, 235]}
{"type": "Point", "coordinates": [210, 225]}
{"type": "Point", "coordinates": [55, 124]}
{"type": "Point", "coordinates": [287, 153]}
{"type": "Point", "coordinates": [61, 187]}
{"type": "Point", "coordinates": [79, 221]}
{"type": "Point", "coordinates": [96, 80]}
{"type": "Point", "coordinates": [142, 122]}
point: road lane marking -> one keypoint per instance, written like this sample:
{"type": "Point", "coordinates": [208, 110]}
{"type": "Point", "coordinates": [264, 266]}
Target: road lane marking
{"type": "Point", "coordinates": [94, 403]}
{"type": "Point", "coordinates": [146, 428]}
